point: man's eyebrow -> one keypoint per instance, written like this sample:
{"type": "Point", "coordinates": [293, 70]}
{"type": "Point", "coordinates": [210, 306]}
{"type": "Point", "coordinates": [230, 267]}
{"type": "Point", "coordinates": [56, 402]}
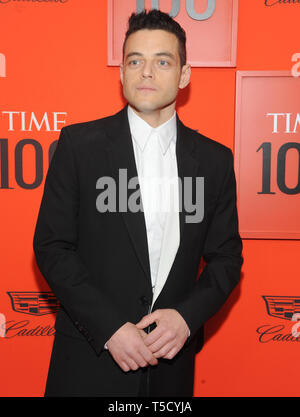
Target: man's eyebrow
{"type": "Point", "coordinates": [163, 53]}
{"type": "Point", "coordinates": [133, 54]}
{"type": "Point", "coordinates": [168, 54]}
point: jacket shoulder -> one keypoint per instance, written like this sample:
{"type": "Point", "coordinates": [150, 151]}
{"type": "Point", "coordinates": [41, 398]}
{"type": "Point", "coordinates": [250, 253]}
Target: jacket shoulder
{"type": "Point", "coordinates": [88, 128]}
{"type": "Point", "coordinates": [209, 147]}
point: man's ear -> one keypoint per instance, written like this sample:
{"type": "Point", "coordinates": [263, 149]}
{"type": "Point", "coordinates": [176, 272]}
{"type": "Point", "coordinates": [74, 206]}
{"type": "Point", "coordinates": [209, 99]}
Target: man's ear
{"type": "Point", "coordinates": [185, 76]}
{"type": "Point", "coordinates": [121, 73]}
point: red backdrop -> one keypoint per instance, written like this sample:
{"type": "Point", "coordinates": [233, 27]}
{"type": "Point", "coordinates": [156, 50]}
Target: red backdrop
{"type": "Point", "coordinates": [55, 57]}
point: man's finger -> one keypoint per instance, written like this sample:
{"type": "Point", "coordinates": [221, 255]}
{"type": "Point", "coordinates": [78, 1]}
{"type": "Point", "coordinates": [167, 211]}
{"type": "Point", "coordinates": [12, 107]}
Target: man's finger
{"type": "Point", "coordinates": [131, 363]}
{"type": "Point", "coordinates": [145, 351]}
{"type": "Point", "coordinates": [165, 350]}
{"type": "Point", "coordinates": [148, 355]}
{"type": "Point", "coordinates": [153, 336]}
{"type": "Point", "coordinates": [143, 334]}
{"type": "Point", "coordinates": [171, 353]}
{"type": "Point", "coordinates": [159, 343]}
{"type": "Point", "coordinates": [124, 366]}
{"type": "Point", "coordinates": [147, 320]}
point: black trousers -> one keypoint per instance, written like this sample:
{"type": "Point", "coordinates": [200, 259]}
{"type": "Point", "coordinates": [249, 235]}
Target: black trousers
{"type": "Point", "coordinates": [144, 390]}
{"type": "Point", "coordinates": [150, 388]}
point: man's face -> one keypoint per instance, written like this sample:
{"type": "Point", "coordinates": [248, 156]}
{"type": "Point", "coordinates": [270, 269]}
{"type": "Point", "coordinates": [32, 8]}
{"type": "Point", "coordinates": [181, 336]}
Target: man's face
{"type": "Point", "coordinates": [151, 73]}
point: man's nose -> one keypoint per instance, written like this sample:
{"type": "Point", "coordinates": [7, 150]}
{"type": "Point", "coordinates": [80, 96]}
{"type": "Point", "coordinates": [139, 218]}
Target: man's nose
{"type": "Point", "coordinates": [147, 71]}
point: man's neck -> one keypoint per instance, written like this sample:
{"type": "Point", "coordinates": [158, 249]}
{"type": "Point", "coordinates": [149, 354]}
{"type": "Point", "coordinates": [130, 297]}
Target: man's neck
{"type": "Point", "coordinates": [157, 117]}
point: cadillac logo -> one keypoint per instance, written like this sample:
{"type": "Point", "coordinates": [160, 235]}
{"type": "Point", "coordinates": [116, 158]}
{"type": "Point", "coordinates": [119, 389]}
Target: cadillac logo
{"type": "Point", "coordinates": [34, 303]}
{"type": "Point", "coordinates": [283, 307]}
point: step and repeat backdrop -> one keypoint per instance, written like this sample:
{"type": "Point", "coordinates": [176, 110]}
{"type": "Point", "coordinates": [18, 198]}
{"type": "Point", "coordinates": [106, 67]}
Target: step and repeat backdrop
{"type": "Point", "coordinates": [59, 64]}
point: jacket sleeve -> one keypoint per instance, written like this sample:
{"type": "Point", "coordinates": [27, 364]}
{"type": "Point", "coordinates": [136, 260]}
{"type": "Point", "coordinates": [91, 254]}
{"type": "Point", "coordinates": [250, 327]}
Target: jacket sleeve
{"type": "Point", "coordinates": [222, 254]}
{"type": "Point", "coordinates": [55, 245]}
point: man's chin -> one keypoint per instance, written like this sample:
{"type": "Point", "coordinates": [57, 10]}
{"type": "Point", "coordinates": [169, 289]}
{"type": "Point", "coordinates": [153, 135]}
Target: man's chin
{"type": "Point", "coordinates": [146, 107]}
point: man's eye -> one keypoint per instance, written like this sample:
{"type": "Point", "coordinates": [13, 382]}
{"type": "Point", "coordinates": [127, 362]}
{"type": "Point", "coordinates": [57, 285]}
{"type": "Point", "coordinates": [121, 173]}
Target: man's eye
{"type": "Point", "coordinates": [163, 63]}
{"type": "Point", "coordinates": [133, 62]}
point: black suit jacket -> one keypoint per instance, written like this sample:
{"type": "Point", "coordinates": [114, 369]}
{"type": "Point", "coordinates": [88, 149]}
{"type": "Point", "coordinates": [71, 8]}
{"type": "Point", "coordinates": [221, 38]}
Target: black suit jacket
{"type": "Point", "coordinates": [97, 264]}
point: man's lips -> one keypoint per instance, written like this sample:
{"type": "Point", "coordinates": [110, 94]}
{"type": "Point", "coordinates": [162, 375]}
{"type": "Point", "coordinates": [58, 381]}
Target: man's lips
{"type": "Point", "coordinates": [146, 89]}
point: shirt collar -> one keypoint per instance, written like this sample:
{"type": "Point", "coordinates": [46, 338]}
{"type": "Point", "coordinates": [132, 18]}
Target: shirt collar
{"type": "Point", "coordinates": [141, 130]}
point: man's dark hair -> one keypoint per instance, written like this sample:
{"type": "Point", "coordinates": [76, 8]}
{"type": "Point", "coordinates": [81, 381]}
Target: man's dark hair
{"type": "Point", "coordinates": [155, 19]}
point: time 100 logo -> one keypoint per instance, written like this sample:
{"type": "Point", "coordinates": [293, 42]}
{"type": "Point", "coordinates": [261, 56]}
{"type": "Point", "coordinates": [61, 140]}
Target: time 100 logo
{"type": "Point", "coordinates": [189, 5]}
{"type": "Point", "coordinates": [266, 149]}
{"type": "Point", "coordinates": [19, 163]}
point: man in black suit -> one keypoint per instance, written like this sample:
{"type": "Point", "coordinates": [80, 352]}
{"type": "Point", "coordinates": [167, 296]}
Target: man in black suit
{"type": "Point", "coordinates": [132, 309]}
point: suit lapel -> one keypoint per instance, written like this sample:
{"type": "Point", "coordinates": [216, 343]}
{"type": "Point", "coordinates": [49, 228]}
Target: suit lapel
{"type": "Point", "coordinates": [187, 167]}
